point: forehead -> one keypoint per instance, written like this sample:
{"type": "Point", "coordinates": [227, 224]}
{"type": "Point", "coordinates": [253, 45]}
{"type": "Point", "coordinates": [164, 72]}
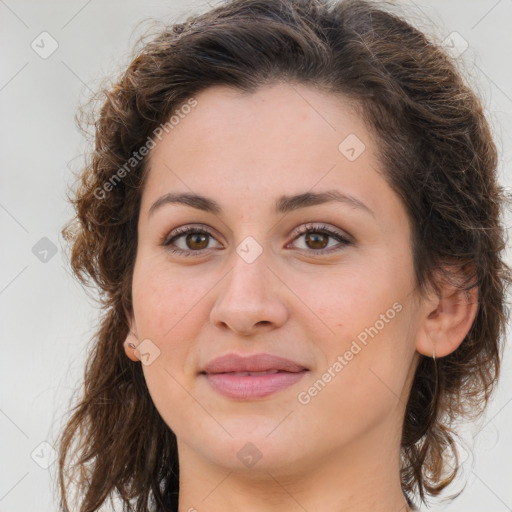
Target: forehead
{"type": "Point", "coordinates": [273, 118]}
{"type": "Point", "coordinates": [280, 139]}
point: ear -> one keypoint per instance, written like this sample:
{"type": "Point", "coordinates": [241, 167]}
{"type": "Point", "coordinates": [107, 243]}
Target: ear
{"type": "Point", "coordinates": [132, 341]}
{"type": "Point", "coordinates": [446, 319]}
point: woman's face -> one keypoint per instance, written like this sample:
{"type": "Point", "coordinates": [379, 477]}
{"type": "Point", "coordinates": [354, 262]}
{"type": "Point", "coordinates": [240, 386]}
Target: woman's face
{"type": "Point", "coordinates": [299, 250]}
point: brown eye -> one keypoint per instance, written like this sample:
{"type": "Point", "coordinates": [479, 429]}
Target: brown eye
{"type": "Point", "coordinates": [316, 240]}
{"type": "Point", "coordinates": [197, 241]}
{"type": "Point", "coordinates": [189, 241]}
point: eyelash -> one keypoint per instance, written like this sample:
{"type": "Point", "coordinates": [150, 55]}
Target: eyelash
{"type": "Point", "coordinates": [308, 228]}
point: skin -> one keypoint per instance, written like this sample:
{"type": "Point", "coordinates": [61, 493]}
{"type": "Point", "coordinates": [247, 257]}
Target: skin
{"type": "Point", "coordinates": [340, 451]}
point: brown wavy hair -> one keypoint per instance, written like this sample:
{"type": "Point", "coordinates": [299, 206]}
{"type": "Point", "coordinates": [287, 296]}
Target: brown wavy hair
{"type": "Point", "coordinates": [438, 154]}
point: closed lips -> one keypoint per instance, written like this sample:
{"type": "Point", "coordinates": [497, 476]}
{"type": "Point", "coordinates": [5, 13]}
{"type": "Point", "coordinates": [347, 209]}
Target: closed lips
{"type": "Point", "coordinates": [256, 364]}
{"type": "Point", "coordinates": [251, 377]}
{"type": "Point", "coordinates": [267, 372]}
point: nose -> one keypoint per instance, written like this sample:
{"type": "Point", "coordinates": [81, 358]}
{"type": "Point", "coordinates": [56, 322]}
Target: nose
{"type": "Point", "coordinates": [250, 298]}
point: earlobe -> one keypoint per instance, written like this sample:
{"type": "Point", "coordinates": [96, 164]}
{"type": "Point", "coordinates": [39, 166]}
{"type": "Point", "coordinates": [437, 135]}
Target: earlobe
{"type": "Point", "coordinates": [446, 321]}
{"type": "Point", "coordinates": [131, 343]}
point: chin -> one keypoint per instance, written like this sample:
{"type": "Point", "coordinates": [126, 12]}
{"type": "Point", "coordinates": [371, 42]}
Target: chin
{"type": "Point", "coordinates": [254, 449]}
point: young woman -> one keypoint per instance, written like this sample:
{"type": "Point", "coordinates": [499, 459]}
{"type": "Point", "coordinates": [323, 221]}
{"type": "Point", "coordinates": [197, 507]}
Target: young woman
{"type": "Point", "coordinates": [293, 216]}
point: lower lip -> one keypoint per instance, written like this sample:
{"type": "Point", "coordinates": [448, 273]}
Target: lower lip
{"type": "Point", "coordinates": [252, 386]}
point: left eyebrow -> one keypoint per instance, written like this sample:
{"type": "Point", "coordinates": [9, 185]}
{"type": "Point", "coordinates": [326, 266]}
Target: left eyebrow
{"type": "Point", "coordinates": [284, 204]}
{"type": "Point", "coordinates": [287, 204]}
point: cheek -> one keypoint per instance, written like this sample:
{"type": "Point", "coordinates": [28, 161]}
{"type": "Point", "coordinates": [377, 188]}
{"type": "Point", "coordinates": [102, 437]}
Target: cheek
{"type": "Point", "coordinates": [166, 313]}
{"type": "Point", "coordinates": [361, 384]}
{"type": "Point", "coordinates": [171, 399]}
{"type": "Point", "coordinates": [366, 318]}
{"type": "Point", "coordinates": [163, 298]}
{"type": "Point", "coordinates": [348, 300]}
{"type": "Point", "coordinates": [167, 310]}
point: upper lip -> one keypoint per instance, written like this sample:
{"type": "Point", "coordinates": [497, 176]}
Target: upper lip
{"type": "Point", "coordinates": [251, 363]}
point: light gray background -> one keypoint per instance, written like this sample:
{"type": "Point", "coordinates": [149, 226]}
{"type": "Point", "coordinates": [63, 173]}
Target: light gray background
{"type": "Point", "coordinates": [46, 316]}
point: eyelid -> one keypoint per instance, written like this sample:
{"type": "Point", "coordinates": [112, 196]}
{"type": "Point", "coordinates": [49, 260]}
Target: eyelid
{"type": "Point", "coordinates": [321, 227]}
